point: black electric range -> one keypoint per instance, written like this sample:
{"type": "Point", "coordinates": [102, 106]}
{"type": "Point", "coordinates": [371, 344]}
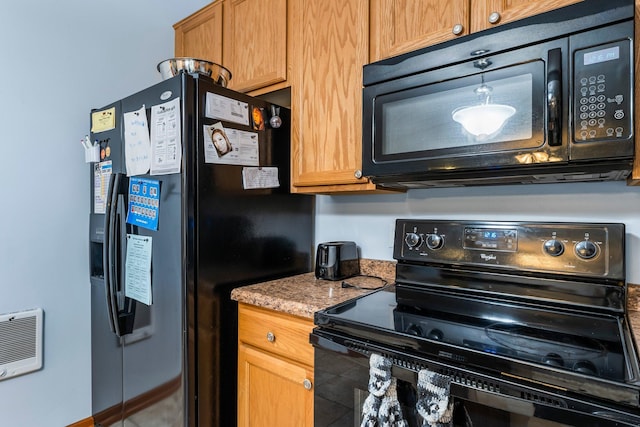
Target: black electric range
{"type": "Point", "coordinates": [527, 319]}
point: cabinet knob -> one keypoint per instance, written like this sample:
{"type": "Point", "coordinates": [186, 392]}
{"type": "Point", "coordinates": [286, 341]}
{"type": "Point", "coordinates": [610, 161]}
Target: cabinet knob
{"type": "Point", "coordinates": [457, 29]}
{"type": "Point", "coordinates": [494, 18]}
{"type": "Point", "coordinates": [307, 384]}
{"type": "Point", "coordinates": [271, 337]}
{"type": "Point", "coordinates": [358, 174]}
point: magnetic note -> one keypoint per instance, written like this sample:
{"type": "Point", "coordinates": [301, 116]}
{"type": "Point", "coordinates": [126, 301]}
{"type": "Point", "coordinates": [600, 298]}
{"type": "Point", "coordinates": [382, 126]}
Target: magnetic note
{"type": "Point", "coordinates": [228, 109]}
{"type": "Point", "coordinates": [137, 278]}
{"type": "Point", "coordinates": [101, 176]}
{"type": "Point", "coordinates": [103, 120]}
{"type": "Point", "coordinates": [137, 145]}
{"type": "Point", "coordinates": [266, 177]}
{"type": "Point", "coordinates": [144, 203]}
{"type": "Point", "coordinates": [166, 138]}
{"type": "Point", "coordinates": [230, 146]}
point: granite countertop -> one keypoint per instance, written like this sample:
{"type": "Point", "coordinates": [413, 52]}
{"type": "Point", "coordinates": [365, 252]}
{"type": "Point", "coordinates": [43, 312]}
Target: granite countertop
{"type": "Point", "coordinates": [303, 295]}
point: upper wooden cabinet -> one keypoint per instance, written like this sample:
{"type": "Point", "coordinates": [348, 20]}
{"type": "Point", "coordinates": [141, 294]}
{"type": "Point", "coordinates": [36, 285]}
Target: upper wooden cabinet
{"type": "Point", "coordinates": [249, 37]}
{"type": "Point", "coordinates": [330, 48]}
{"type": "Point", "coordinates": [255, 42]}
{"type": "Point", "coordinates": [200, 35]}
{"type": "Point", "coordinates": [487, 13]}
{"type": "Point", "coordinates": [399, 26]}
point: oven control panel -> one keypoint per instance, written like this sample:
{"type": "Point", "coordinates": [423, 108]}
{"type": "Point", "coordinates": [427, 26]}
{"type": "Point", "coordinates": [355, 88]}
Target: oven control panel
{"type": "Point", "coordinates": [585, 249]}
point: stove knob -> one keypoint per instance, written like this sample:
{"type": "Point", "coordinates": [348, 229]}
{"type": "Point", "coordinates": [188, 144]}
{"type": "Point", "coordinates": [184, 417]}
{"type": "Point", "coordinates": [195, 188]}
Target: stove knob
{"type": "Point", "coordinates": [585, 367]}
{"type": "Point", "coordinates": [435, 241]}
{"type": "Point", "coordinates": [553, 359]}
{"type": "Point", "coordinates": [586, 249]}
{"type": "Point", "coordinates": [414, 330]}
{"type": "Point", "coordinates": [435, 334]}
{"type": "Point", "coordinates": [413, 240]}
{"type": "Point", "coordinates": [553, 247]}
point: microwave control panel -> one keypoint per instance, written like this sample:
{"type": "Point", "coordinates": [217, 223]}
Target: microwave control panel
{"type": "Point", "coordinates": [602, 92]}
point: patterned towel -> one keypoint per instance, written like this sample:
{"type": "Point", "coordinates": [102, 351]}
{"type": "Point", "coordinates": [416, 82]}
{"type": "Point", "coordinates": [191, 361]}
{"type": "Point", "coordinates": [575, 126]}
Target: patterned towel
{"type": "Point", "coordinates": [390, 413]}
{"type": "Point", "coordinates": [433, 399]}
{"type": "Point", "coordinates": [381, 408]}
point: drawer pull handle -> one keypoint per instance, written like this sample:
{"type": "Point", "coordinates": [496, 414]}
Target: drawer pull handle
{"type": "Point", "coordinates": [307, 384]}
{"type": "Point", "coordinates": [271, 337]}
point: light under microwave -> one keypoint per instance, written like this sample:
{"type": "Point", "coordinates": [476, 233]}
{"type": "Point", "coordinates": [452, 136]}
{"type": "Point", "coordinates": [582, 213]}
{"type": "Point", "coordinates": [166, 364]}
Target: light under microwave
{"type": "Point", "coordinates": [545, 99]}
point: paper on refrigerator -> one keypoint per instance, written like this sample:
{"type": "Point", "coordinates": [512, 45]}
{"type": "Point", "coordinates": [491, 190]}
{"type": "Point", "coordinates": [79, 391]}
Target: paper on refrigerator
{"type": "Point", "coordinates": [229, 109]}
{"type": "Point", "coordinates": [137, 279]}
{"type": "Point", "coordinates": [101, 175]}
{"type": "Point", "coordinates": [166, 138]}
{"type": "Point", "coordinates": [230, 146]}
{"type": "Point", "coordinates": [265, 177]}
{"type": "Point", "coordinates": [137, 146]}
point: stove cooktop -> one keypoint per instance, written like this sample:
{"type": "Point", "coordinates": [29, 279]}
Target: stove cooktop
{"type": "Point", "coordinates": [569, 351]}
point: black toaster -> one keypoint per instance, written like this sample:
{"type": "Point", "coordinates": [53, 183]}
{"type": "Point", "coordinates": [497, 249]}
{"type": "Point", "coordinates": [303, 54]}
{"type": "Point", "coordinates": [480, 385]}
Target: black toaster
{"type": "Point", "coordinates": [337, 260]}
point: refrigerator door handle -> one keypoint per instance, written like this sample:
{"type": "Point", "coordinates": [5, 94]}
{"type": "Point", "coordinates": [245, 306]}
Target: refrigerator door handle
{"type": "Point", "coordinates": [107, 252]}
{"type": "Point", "coordinates": [121, 309]}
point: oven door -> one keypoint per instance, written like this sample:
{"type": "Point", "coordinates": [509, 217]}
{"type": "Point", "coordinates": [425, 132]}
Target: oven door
{"type": "Point", "coordinates": [342, 377]}
{"type": "Point", "coordinates": [496, 110]}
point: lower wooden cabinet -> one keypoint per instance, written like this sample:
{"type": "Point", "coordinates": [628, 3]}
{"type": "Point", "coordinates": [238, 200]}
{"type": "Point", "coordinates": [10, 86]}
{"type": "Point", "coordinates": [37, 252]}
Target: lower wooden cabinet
{"type": "Point", "coordinates": [275, 369]}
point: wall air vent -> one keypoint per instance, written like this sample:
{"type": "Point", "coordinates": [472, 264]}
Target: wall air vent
{"type": "Point", "coordinates": [20, 342]}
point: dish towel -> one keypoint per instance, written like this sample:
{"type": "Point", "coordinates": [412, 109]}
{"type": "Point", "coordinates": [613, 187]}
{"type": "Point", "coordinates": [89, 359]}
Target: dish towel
{"type": "Point", "coordinates": [433, 399]}
{"type": "Point", "coordinates": [381, 408]}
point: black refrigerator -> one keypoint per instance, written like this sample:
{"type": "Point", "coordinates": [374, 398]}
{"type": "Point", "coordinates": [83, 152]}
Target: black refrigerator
{"type": "Point", "coordinates": [190, 199]}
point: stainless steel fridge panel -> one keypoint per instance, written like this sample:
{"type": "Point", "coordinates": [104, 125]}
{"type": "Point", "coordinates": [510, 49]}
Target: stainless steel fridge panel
{"type": "Point", "coordinates": [106, 354]}
{"type": "Point", "coordinates": [155, 359]}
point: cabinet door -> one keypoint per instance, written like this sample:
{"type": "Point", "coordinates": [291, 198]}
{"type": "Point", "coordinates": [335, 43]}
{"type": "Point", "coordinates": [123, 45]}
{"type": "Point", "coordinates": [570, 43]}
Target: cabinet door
{"type": "Point", "coordinates": [399, 26]}
{"type": "Point", "coordinates": [486, 13]}
{"type": "Point", "coordinates": [271, 390]}
{"type": "Point", "coordinates": [331, 47]}
{"type": "Point", "coordinates": [200, 34]}
{"type": "Point", "coordinates": [255, 43]}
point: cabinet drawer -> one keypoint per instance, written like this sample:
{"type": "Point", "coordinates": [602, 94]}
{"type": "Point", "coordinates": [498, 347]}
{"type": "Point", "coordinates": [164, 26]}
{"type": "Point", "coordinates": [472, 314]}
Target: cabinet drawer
{"type": "Point", "coordinates": [275, 332]}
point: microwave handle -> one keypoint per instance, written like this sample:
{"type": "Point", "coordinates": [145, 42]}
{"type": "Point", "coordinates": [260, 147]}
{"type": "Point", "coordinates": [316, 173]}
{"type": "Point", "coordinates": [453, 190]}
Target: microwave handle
{"type": "Point", "coordinates": [554, 97]}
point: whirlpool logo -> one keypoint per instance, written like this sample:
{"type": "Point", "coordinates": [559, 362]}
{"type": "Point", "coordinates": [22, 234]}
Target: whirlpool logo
{"type": "Point", "coordinates": [489, 257]}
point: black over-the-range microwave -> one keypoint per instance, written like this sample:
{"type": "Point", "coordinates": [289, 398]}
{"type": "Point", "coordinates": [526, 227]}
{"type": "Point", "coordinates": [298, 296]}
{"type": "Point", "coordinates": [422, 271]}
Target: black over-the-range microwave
{"type": "Point", "coordinates": [545, 99]}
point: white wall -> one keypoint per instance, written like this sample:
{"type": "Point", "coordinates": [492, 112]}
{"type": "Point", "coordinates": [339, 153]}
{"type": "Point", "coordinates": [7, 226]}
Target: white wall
{"type": "Point", "coordinates": [369, 220]}
{"type": "Point", "coordinates": [58, 60]}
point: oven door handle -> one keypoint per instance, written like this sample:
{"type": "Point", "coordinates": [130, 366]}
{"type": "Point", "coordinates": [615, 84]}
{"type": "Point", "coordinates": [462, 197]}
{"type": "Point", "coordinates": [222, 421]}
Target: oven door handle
{"type": "Point", "coordinates": [554, 97]}
{"type": "Point", "coordinates": [498, 401]}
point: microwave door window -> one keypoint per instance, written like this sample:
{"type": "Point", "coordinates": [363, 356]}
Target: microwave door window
{"type": "Point", "coordinates": [494, 111]}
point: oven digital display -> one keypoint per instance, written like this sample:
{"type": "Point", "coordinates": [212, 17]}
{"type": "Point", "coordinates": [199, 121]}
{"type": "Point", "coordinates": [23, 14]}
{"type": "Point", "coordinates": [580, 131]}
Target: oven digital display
{"type": "Point", "coordinates": [491, 235]}
{"type": "Point", "coordinates": [497, 239]}
{"type": "Point", "coordinates": [602, 55]}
